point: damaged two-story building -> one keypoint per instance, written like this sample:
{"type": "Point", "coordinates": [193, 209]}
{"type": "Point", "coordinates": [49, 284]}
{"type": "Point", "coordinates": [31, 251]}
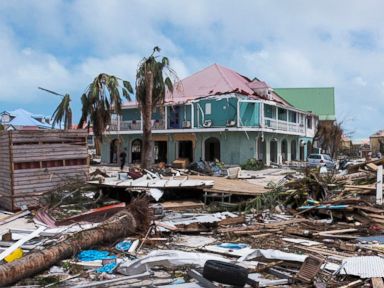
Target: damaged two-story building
{"type": "Point", "coordinates": [216, 113]}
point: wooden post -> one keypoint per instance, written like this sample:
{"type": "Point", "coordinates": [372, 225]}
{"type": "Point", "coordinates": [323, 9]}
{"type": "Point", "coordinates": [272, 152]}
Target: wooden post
{"type": "Point", "coordinates": [379, 185]}
{"type": "Point", "coordinates": [11, 169]}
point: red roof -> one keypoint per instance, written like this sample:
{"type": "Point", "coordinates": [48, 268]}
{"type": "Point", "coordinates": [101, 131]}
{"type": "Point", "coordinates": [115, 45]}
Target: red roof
{"type": "Point", "coordinates": [217, 80]}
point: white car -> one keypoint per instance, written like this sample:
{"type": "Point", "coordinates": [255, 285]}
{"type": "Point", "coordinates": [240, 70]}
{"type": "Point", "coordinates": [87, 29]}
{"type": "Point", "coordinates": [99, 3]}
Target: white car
{"type": "Point", "coordinates": [318, 160]}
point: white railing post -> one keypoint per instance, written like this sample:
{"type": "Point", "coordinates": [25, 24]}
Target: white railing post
{"type": "Point", "coordinates": [238, 113]}
{"type": "Point", "coordinates": [379, 185]}
{"type": "Point", "coordinates": [192, 116]}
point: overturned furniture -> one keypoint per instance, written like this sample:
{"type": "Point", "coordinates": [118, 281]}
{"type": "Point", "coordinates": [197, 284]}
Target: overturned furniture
{"type": "Point", "coordinates": [33, 163]}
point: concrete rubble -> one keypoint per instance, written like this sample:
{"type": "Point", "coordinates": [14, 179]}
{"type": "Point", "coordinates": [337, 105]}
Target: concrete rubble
{"type": "Point", "coordinates": [297, 228]}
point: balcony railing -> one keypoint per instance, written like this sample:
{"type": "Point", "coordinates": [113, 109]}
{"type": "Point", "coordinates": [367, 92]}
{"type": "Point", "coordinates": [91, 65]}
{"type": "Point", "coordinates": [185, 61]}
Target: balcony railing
{"type": "Point", "coordinates": [125, 125]}
{"type": "Point", "coordinates": [271, 123]}
{"type": "Point", "coordinates": [283, 125]}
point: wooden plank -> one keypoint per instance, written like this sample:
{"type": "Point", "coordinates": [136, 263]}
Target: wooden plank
{"type": "Point", "coordinates": [370, 209]}
{"type": "Point", "coordinates": [55, 170]}
{"type": "Point", "coordinates": [233, 220]}
{"type": "Point", "coordinates": [15, 216]}
{"type": "Point", "coordinates": [379, 185]}
{"type": "Point", "coordinates": [34, 153]}
{"type": "Point", "coordinates": [372, 166]}
{"type": "Point", "coordinates": [51, 157]}
{"type": "Point", "coordinates": [34, 149]}
{"type": "Point", "coordinates": [361, 187]}
{"type": "Point", "coordinates": [11, 168]}
{"type": "Point", "coordinates": [357, 283]}
{"type": "Point", "coordinates": [42, 187]}
{"type": "Point", "coordinates": [48, 138]}
{"type": "Point", "coordinates": [61, 170]}
{"type": "Point", "coordinates": [53, 181]}
{"type": "Point", "coordinates": [181, 205]}
{"type": "Point", "coordinates": [19, 243]}
{"type": "Point", "coordinates": [377, 282]}
{"type": "Point", "coordinates": [41, 146]}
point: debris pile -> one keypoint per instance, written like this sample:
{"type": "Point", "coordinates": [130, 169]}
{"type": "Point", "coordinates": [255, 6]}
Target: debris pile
{"type": "Point", "coordinates": [306, 229]}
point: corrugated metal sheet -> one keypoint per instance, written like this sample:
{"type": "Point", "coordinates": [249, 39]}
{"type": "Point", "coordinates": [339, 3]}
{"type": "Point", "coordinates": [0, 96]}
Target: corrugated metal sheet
{"type": "Point", "coordinates": [363, 266]}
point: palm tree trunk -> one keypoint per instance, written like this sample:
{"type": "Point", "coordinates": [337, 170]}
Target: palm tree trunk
{"type": "Point", "coordinates": [147, 156]}
{"type": "Point", "coordinates": [124, 223]}
{"type": "Point", "coordinates": [69, 120]}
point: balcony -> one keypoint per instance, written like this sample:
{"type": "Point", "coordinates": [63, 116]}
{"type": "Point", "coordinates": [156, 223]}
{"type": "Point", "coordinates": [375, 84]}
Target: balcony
{"type": "Point", "coordinates": [134, 125]}
{"type": "Point", "coordinates": [283, 125]}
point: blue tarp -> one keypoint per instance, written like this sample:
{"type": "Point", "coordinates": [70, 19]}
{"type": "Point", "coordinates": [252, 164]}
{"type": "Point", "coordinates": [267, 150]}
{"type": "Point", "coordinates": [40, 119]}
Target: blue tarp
{"type": "Point", "coordinates": [92, 255]}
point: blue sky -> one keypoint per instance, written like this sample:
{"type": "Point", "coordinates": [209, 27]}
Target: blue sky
{"type": "Point", "coordinates": [63, 45]}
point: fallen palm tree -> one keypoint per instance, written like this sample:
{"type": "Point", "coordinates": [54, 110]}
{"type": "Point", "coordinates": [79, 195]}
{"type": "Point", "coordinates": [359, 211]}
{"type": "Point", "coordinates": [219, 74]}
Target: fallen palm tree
{"type": "Point", "coordinates": [130, 221]}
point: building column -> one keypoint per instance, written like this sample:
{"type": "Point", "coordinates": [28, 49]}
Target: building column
{"type": "Point", "coordinates": [267, 151]}
{"type": "Point", "coordinates": [289, 150]}
{"type": "Point", "coordinates": [279, 156]}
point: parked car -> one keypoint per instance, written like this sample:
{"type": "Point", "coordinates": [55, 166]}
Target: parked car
{"type": "Point", "coordinates": [318, 160]}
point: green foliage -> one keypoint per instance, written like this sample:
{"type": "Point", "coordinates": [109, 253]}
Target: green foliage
{"type": "Point", "coordinates": [162, 74]}
{"type": "Point", "coordinates": [101, 99]}
{"type": "Point", "coordinates": [253, 164]}
{"type": "Point", "coordinates": [63, 112]}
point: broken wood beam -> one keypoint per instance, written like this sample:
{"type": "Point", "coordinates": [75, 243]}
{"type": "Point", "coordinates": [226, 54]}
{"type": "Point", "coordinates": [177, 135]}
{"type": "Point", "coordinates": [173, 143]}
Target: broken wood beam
{"type": "Point", "coordinates": [356, 283]}
{"type": "Point", "coordinates": [124, 223]}
{"type": "Point", "coordinates": [377, 282]}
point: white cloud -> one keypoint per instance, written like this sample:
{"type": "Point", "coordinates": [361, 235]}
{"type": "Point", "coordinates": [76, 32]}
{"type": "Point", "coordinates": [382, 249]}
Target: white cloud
{"type": "Point", "coordinates": [358, 80]}
{"type": "Point", "coordinates": [64, 44]}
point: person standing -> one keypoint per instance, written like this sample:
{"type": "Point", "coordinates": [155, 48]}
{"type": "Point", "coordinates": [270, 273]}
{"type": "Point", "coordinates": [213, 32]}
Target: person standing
{"type": "Point", "coordinates": [123, 156]}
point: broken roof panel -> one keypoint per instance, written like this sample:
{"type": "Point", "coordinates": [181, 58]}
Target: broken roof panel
{"type": "Point", "coordinates": [218, 80]}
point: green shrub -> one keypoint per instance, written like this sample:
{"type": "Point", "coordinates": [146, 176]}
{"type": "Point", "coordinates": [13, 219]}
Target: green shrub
{"type": "Point", "coordinates": [253, 164]}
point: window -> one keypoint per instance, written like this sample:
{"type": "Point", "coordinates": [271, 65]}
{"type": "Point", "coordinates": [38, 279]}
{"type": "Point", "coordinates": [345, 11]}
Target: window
{"type": "Point", "coordinates": [269, 111]}
{"type": "Point", "coordinates": [282, 114]}
{"type": "Point", "coordinates": [315, 156]}
{"type": "Point", "coordinates": [208, 108]}
{"type": "Point", "coordinates": [292, 117]}
{"type": "Point", "coordinates": [309, 122]}
{"type": "Point", "coordinates": [5, 118]}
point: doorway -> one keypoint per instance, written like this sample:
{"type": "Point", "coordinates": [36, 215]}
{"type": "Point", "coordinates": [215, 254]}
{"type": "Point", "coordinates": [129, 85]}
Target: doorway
{"type": "Point", "coordinates": [160, 151]}
{"type": "Point", "coordinates": [212, 149]}
{"type": "Point", "coordinates": [273, 152]}
{"type": "Point", "coordinates": [186, 150]}
{"type": "Point", "coordinates": [284, 150]}
{"type": "Point", "coordinates": [136, 148]}
{"type": "Point", "coordinates": [114, 148]}
{"type": "Point", "coordinates": [293, 150]}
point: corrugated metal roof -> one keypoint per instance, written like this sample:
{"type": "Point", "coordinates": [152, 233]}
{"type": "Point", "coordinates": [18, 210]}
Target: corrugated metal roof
{"type": "Point", "coordinates": [363, 266]}
{"type": "Point", "coordinates": [218, 80]}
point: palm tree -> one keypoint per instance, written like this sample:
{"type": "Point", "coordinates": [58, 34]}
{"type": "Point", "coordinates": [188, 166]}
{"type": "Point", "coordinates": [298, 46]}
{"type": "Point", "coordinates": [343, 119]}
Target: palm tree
{"type": "Point", "coordinates": [153, 78]}
{"type": "Point", "coordinates": [102, 99]}
{"type": "Point", "coordinates": [63, 111]}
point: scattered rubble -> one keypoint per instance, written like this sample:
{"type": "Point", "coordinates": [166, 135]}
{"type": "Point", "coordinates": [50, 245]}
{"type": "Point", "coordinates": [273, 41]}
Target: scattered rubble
{"type": "Point", "coordinates": [299, 228]}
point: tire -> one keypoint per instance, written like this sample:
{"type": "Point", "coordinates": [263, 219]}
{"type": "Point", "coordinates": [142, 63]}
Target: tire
{"type": "Point", "coordinates": [225, 273]}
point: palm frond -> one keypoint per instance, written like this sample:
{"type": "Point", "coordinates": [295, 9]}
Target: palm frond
{"type": "Point", "coordinates": [103, 98]}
